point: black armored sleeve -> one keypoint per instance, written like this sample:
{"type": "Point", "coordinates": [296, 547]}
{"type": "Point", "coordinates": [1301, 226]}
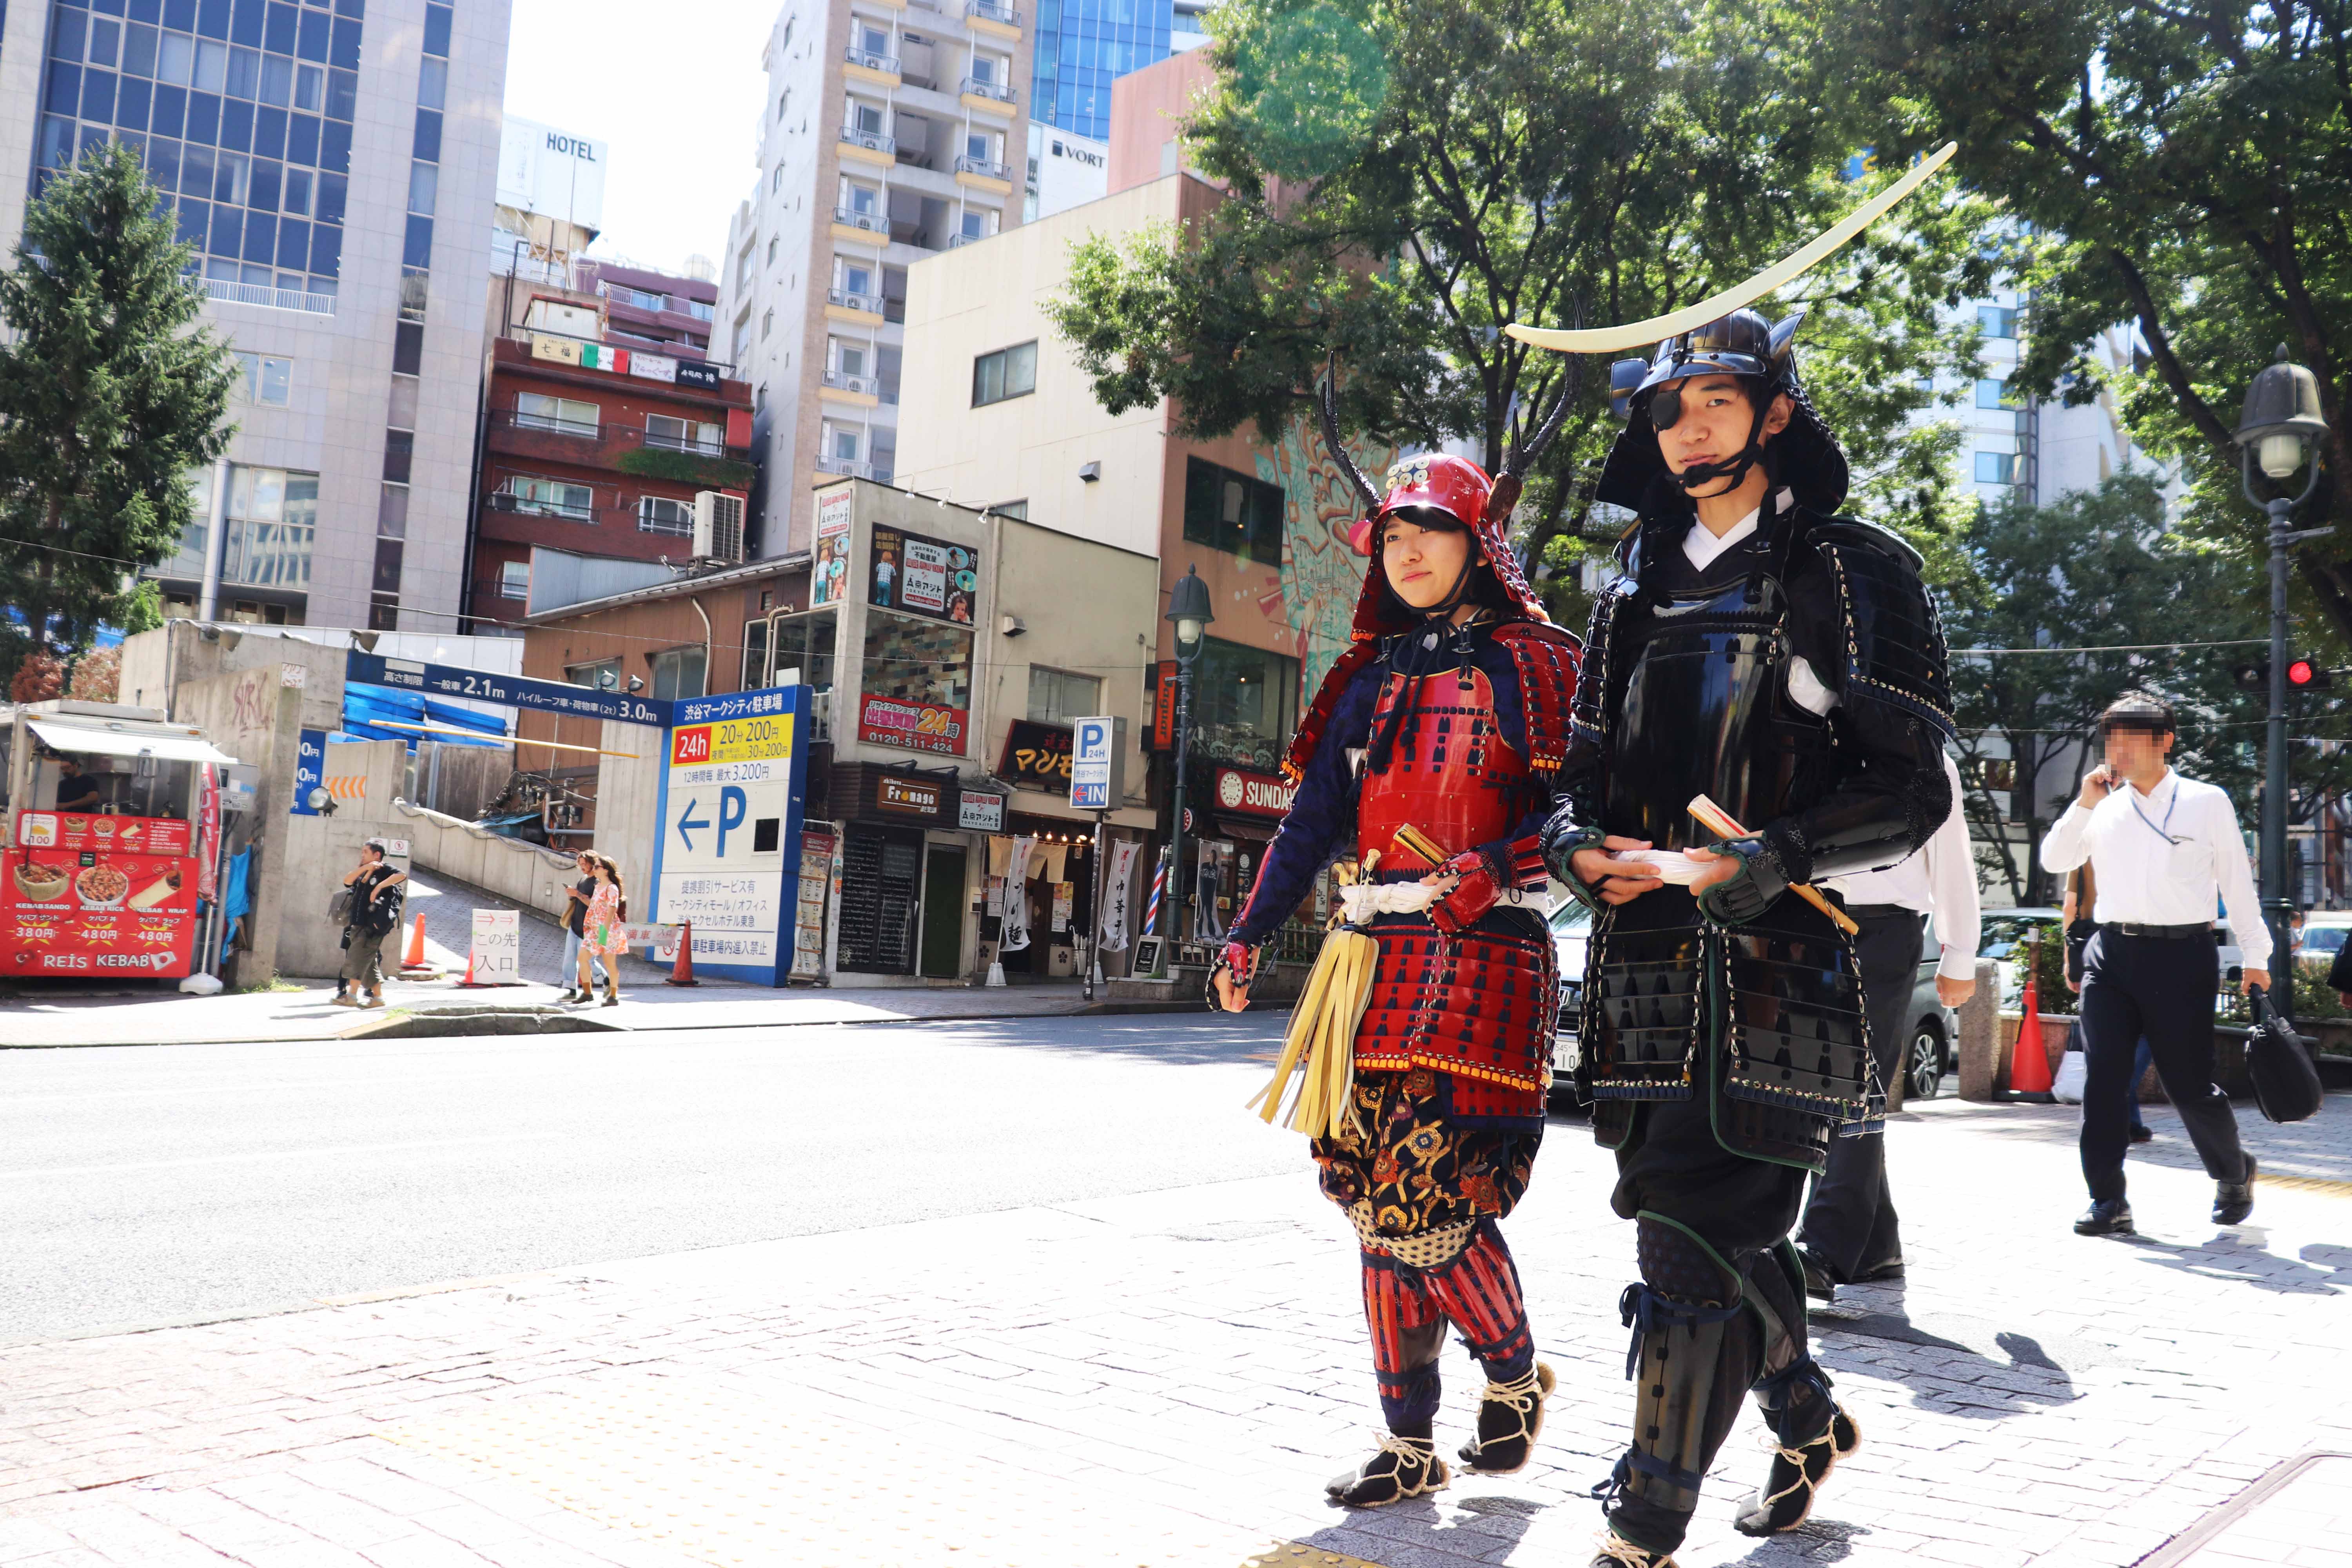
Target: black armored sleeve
{"type": "Point", "coordinates": [1863, 621]}
{"type": "Point", "coordinates": [1576, 818]}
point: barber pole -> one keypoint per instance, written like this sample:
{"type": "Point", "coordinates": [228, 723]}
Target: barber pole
{"type": "Point", "coordinates": [1151, 911]}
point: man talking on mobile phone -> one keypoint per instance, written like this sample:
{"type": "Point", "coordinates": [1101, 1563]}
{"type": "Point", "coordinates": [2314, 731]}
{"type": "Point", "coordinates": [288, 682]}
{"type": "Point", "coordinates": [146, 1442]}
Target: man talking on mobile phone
{"type": "Point", "coordinates": [2161, 848]}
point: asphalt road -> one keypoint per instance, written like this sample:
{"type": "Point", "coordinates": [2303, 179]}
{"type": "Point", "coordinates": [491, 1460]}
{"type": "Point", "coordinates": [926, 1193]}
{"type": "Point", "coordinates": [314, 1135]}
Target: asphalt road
{"type": "Point", "coordinates": [174, 1183]}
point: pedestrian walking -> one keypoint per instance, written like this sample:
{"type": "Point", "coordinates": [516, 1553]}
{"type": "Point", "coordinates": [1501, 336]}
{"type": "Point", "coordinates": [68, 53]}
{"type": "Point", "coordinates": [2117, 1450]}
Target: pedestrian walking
{"type": "Point", "coordinates": [2161, 847]}
{"type": "Point", "coordinates": [601, 933]}
{"type": "Point", "coordinates": [1851, 1235]}
{"type": "Point", "coordinates": [575, 912]}
{"type": "Point", "coordinates": [373, 910]}
{"type": "Point", "coordinates": [1429, 753]}
{"type": "Point", "coordinates": [1761, 649]}
{"type": "Point", "coordinates": [2082, 894]}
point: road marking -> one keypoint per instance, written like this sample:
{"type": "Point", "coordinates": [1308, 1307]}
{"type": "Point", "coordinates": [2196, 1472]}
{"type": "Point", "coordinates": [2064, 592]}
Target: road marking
{"type": "Point", "coordinates": [279, 1154]}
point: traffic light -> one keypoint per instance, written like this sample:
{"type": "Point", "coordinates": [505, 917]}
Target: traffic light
{"type": "Point", "coordinates": [2308, 674]}
{"type": "Point", "coordinates": [2253, 677]}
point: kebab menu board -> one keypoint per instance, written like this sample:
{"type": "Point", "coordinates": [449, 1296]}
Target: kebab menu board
{"type": "Point", "coordinates": [87, 895]}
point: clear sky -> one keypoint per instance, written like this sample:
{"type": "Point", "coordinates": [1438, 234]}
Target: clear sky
{"type": "Point", "coordinates": [675, 88]}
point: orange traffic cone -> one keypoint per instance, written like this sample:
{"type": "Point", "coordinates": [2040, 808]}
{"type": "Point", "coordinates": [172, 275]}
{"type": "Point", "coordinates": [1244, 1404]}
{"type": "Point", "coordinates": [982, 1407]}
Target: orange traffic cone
{"type": "Point", "coordinates": [414, 958]}
{"type": "Point", "coordinates": [682, 972]}
{"type": "Point", "coordinates": [2029, 1063]}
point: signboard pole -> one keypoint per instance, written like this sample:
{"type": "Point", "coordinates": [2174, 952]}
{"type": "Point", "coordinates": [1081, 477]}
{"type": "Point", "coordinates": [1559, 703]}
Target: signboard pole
{"type": "Point", "coordinates": [1095, 907]}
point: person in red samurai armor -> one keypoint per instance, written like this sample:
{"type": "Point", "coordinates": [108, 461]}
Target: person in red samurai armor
{"type": "Point", "coordinates": [1448, 713]}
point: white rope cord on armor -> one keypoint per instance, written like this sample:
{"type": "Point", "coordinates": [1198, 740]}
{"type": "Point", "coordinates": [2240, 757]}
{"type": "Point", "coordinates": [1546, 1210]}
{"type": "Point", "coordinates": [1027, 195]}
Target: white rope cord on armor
{"type": "Point", "coordinates": [1362, 901]}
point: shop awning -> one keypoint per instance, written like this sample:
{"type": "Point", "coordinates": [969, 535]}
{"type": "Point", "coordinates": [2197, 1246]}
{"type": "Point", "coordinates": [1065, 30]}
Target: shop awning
{"type": "Point", "coordinates": [127, 741]}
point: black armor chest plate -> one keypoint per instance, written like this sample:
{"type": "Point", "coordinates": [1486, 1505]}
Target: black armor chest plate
{"type": "Point", "coordinates": [1704, 709]}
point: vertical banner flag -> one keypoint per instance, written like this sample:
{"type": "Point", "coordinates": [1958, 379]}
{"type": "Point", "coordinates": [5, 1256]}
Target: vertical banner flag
{"type": "Point", "coordinates": [1117, 893]}
{"type": "Point", "coordinates": [1016, 898]}
{"type": "Point", "coordinates": [208, 835]}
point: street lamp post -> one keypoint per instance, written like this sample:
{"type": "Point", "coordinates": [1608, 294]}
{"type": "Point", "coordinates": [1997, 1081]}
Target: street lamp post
{"type": "Point", "coordinates": [1188, 609]}
{"type": "Point", "coordinates": [2279, 426]}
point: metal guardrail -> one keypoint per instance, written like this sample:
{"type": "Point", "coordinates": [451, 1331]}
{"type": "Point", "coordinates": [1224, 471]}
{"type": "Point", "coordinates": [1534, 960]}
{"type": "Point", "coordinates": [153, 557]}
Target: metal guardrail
{"type": "Point", "coordinates": [873, 141]}
{"type": "Point", "coordinates": [979, 89]}
{"type": "Point", "coordinates": [873, 223]}
{"type": "Point", "coordinates": [989, 10]}
{"type": "Point", "coordinates": [841, 382]}
{"type": "Point", "coordinates": [955, 240]}
{"type": "Point", "coordinates": [845, 465]}
{"type": "Point", "coordinates": [625, 434]}
{"type": "Point", "coordinates": [887, 64]}
{"type": "Point", "coordinates": [967, 164]}
{"type": "Point", "coordinates": [870, 303]}
{"type": "Point", "coordinates": [267, 298]}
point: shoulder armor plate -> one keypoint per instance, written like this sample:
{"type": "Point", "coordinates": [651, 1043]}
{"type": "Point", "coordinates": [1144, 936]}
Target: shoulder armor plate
{"type": "Point", "coordinates": [1895, 649]}
{"type": "Point", "coordinates": [1547, 657]}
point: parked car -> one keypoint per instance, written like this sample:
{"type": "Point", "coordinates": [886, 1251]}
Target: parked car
{"type": "Point", "coordinates": [1932, 1031]}
{"type": "Point", "coordinates": [2324, 932]}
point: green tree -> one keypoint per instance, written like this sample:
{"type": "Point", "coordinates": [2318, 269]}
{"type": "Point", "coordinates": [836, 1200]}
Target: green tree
{"type": "Point", "coordinates": [2187, 168]}
{"type": "Point", "coordinates": [2101, 569]}
{"type": "Point", "coordinates": [1405, 179]}
{"type": "Point", "coordinates": [107, 398]}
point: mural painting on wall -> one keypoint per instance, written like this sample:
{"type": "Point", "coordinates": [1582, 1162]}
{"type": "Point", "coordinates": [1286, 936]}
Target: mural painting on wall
{"type": "Point", "coordinates": [1322, 575]}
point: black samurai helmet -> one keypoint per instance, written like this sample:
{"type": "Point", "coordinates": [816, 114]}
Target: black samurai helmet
{"type": "Point", "coordinates": [1648, 394]}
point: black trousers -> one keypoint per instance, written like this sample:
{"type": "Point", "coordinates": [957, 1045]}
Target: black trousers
{"type": "Point", "coordinates": [1851, 1224]}
{"type": "Point", "coordinates": [2161, 987]}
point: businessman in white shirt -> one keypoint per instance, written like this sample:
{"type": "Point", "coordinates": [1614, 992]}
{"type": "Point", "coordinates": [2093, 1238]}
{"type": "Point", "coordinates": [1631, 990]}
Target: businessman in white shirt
{"type": "Point", "coordinates": [1850, 1235]}
{"type": "Point", "coordinates": [2161, 848]}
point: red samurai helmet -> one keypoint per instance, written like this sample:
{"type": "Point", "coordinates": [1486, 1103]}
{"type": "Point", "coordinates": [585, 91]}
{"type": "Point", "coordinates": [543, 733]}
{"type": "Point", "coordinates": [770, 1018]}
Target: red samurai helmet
{"type": "Point", "coordinates": [1454, 487]}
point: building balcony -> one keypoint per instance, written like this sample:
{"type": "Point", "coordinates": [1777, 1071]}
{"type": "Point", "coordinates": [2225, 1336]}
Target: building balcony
{"type": "Point", "coordinates": [957, 241]}
{"type": "Point", "coordinates": [857, 391]}
{"type": "Point", "coordinates": [992, 17]}
{"type": "Point", "coordinates": [873, 227]}
{"type": "Point", "coordinates": [882, 71]}
{"type": "Point", "coordinates": [987, 97]}
{"type": "Point", "coordinates": [856, 310]}
{"type": "Point", "coordinates": [846, 466]}
{"type": "Point", "coordinates": [267, 298]}
{"type": "Point", "coordinates": [868, 146]}
{"type": "Point", "coordinates": [984, 174]}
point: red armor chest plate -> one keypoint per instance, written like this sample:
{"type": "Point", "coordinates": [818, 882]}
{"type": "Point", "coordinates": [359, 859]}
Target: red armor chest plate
{"type": "Point", "coordinates": [1451, 773]}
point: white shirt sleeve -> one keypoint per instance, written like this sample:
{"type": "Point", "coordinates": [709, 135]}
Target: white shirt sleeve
{"type": "Point", "coordinates": [2218, 824]}
{"type": "Point", "coordinates": [1952, 884]}
{"type": "Point", "coordinates": [2068, 845]}
{"type": "Point", "coordinates": [1805, 688]}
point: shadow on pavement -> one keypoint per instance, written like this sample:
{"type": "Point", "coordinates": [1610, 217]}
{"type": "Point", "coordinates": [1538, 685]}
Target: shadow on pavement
{"type": "Point", "coordinates": [2322, 1269]}
{"type": "Point", "coordinates": [1987, 1372]}
{"type": "Point", "coordinates": [1182, 1038]}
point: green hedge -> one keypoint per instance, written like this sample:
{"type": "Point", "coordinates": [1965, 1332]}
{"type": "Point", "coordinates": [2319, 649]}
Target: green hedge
{"type": "Point", "coordinates": [685, 468]}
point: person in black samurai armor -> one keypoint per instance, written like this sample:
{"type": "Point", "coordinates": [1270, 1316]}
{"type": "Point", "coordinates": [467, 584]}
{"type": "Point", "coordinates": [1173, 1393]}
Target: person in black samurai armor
{"type": "Point", "coordinates": [1447, 714]}
{"type": "Point", "coordinates": [1785, 662]}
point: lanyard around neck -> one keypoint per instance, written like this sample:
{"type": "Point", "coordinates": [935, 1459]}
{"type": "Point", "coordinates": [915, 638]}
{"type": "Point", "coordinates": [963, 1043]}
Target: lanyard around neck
{"type": "Point", "coordinates": [2164, 832]}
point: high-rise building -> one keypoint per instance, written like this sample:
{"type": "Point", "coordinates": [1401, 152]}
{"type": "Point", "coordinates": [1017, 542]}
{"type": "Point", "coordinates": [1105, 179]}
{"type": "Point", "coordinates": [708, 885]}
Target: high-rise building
{"type": "Point", "coordinates": [890, 131]}
{"type": "Point", "coordinates": [333, 163]}
{"type": "Point", "coordinates": [1083, 46]}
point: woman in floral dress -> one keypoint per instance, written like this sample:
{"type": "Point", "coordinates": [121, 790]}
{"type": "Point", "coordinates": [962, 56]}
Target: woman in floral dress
{"type": "Point", "coordinates": [601, 933]}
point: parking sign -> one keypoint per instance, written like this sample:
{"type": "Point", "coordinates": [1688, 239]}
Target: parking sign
{"type": "Point", "coordinates": [1097, 750]}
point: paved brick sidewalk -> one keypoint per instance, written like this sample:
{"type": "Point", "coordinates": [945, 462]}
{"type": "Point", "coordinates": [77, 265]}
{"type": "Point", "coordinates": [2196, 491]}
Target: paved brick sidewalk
{"type": "Point", "coordinates": [1167, 1378]}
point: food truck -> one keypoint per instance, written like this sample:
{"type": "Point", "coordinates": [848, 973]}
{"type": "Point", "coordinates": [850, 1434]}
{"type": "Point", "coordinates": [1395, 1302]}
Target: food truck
{"type": "Point", "coordinates": [110, 886]}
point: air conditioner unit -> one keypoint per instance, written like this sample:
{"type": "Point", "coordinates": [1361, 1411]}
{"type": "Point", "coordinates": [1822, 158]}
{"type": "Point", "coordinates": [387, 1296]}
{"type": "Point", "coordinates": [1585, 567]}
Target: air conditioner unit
{"type": "Point", "coordinates": [718, 527]}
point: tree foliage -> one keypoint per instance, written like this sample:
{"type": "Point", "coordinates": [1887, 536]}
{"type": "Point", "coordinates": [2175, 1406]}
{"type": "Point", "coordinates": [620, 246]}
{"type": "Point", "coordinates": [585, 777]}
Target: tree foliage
{"type": "Point", "coordinates": [2187, 168]}
{"type": "Point", "coordinates": [1405, 179]}
{"type": "Point", "coordinates": [109, 395]}
{"type": "Point", "coordinates": [2100, 569]}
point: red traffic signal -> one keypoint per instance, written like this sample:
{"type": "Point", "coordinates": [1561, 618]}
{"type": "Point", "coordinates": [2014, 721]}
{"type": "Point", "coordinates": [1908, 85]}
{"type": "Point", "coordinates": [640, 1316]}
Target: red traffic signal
{"type": "Point", "coordinates": [2303, 673]}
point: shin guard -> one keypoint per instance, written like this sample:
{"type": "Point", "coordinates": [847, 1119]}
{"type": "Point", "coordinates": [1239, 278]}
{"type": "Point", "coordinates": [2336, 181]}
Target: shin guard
{"type": "Point", "coordinates": [1479, 1289]}
{"type": "Point", "coordinates": [1695, 1350]}
{"type": "Point", "coordinates": [1408, 1330]}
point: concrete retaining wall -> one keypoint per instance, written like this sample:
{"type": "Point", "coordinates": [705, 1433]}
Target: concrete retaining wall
{"type": "Point", "coordinates": [525, 874]}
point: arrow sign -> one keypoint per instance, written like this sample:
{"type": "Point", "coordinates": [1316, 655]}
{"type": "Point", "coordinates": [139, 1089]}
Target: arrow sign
{"type": "Point", "coordinates": [687, 819]}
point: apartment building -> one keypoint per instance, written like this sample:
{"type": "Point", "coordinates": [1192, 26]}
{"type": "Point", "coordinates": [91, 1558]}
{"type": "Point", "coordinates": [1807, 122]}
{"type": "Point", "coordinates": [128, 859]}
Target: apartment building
{"type": "Point", "coordinates": [889, 132]}
{"type": "Point", "coordinates": [2037, 447]}
{"type": "Point", "coordinates": [334, 165]}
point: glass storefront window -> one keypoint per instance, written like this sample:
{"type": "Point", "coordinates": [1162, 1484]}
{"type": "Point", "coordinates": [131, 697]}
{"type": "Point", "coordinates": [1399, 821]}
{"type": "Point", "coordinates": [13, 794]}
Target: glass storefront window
{"type": "Point", "coordinates": [1244, 704]}
{"type": "Point", "coordinates": [806, 642]}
